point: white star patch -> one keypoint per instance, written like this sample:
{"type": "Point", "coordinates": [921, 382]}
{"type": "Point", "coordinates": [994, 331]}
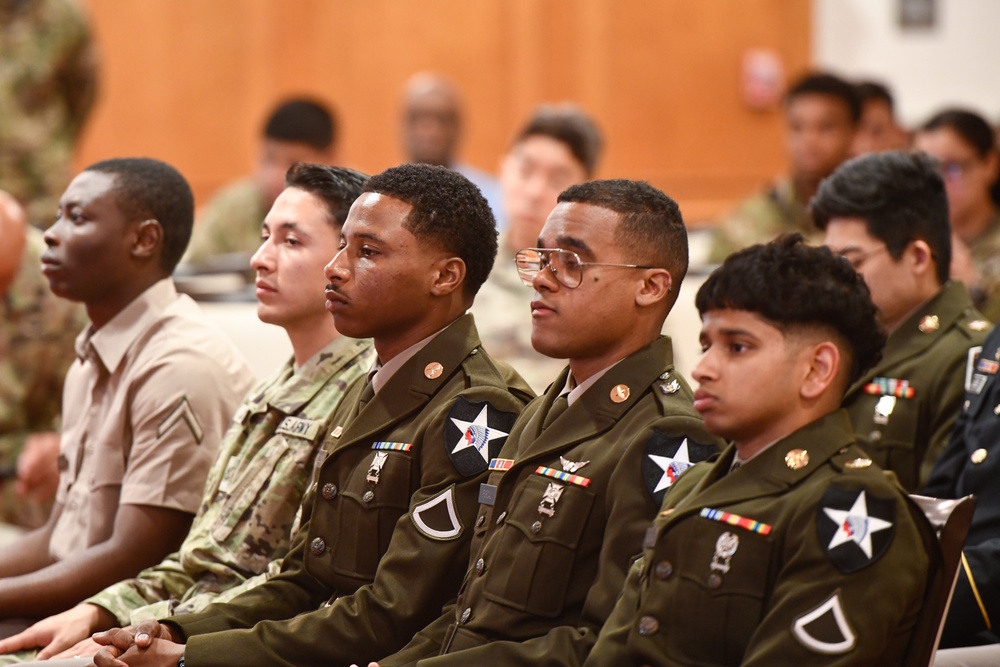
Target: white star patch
{"type": "Point", "coordinates": [672, 466]}
{"type": "Point", "coordinates": [477, 434]}
{"type": "Point", "coordinates": [855, 525]}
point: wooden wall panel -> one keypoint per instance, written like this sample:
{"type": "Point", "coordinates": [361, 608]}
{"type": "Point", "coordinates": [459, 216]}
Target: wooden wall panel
{"type": "Point", "coordinates": [190, 81]}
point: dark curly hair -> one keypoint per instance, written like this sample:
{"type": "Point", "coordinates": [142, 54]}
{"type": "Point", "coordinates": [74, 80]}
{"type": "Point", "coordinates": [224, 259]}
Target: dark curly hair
{"type": "Point", "coordinates": [336, 187]}
{"type": "Point", "coordinates": [149, 189]}
{"type": "Point", "coordinates": [447, 209]}
{"type": "Point", "coordinates": [792, 285]}
{"type": "Point", "coordinates": [824, 83]}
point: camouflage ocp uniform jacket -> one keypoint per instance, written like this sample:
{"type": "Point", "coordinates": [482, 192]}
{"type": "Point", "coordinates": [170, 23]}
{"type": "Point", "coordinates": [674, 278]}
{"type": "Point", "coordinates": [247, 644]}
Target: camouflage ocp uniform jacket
{"type": "Point", "coordinates": [252, 493]}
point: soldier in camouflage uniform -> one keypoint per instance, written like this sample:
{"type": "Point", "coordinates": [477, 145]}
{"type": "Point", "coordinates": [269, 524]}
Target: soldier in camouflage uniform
{"type": "Point", "coordinates": [48, 83]}
{"type": "Point", "coordinates": [822, 113]}
{"type": "Point", "coordinates": [37, 330]}
{"type": "Point", "coordinates": [248, 513]}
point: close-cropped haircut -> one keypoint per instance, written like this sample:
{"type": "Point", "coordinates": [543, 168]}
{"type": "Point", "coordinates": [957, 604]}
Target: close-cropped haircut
{"type": "Point", "coordinates": [795, 286]}
{"type": "Point", "coordinates": [901, 198]}
{"type": "Point", "coordinates": [447, 209]}
{"type": "Point", "coordinates": [650, 227]}
{"type": "Point", "coordinates": [569, 125]}
{"type": "Point", "coordinates": [821, 83]}
{"type": "Point", "coordinates": [868, 91]}
{"type": "Point", "coordinates": [147, 189]}
{"type": "Point", "coordinates": [336, 187]}
{"type": "Point", "coordinates": [303, 121]}
{"type": "Point", "coordinates": [970, 126]}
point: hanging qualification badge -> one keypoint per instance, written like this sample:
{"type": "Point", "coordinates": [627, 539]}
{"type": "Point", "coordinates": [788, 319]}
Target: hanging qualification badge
{"type": "Point", "coordinates": [375, 469]}
{"type": "Point", "coordinates": [725, 549]}
{"type": "Point", "coordinates": [550, 498]}
{"type": "Point", "coordinates": [884, 408]}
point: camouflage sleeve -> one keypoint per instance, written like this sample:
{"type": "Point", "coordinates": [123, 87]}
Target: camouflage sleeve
{"type": "Point", "coordinates": [166, 581]}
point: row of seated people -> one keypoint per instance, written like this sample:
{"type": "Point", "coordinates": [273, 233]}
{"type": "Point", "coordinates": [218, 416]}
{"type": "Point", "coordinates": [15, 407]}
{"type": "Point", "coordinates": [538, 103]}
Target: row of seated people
{"type": "Point", "coordinates": [435, 475]}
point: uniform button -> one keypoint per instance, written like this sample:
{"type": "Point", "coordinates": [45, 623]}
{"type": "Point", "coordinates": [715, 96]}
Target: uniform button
{"type": "Point", "coordinates": [318, 546]}
{"type": "Point", "coordinates": [536, 527]}
{"type": "Point", "coordinates": [664, 569]}
{"type": "Point", "coordinates": [875, 436]}
{"type": "Point", "coordinates": [329, 491]}
{"type": "Point", "coordinates": [714, 581]}
{"type": "Point", "coordinates": [481, 520]}
{"type": "Point", "coordinates": [503, 515]}
{"type": "Point", "coordinates": [979, 456]}
{"type": "Point", "coordinates": [368, 497]}
{"type": "Point", "coordinates": [480, 566]}
{"type": "Point", "coordinates": [466, 615]}
{"type": "Point", "coordinates": [648, 625]}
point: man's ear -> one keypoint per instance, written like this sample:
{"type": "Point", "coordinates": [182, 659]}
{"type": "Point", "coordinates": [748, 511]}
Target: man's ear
{"type": "Point", "coordinates": [921, 257]}
{"type": "Point", "coordinates": [148, 239]}
{"type": "Point", "coordinates": [656, 287]}
{"type": "Point", "coordinates": [823, 369]}
{"type": "Point", "coordinates": [449, 276]}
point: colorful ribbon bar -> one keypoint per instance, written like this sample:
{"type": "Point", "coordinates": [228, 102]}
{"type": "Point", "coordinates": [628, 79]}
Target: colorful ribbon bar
{"type": "Point", "coordinates": [563, 476]}
{"type": "Point", "coordinates": [736, 520]}
{"type": "Point", "coordinates": [393, 446]}
{"type": "Point", "coordinates": [889, 387]}
{"type": "Point", "coordinates": [988, 366]}
{"type": "Point", "coordinates": [501, 464]}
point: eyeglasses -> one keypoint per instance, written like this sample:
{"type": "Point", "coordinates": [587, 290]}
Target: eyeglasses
{"type": "Point", "coordinates": [565, 265]}
{"type": "Point", "coordinates": [857, 258]}
{"type": "Point", "coordinates": [952, 170]}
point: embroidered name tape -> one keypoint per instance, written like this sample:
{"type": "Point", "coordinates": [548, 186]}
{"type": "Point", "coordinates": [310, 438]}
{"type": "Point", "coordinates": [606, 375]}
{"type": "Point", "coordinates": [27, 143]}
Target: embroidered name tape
{"type": "Point", "coordinates": [297, 427]}
{"type": "Point", "coordinates": [563, 476]}
{"type": "Point", "coordinates": [501, 464]}
{"type": "Point", "coordinates": [889, 387]}
{"type": "Point", "coordinates": [736, 520]}
{"type": "Point", "coordinates": [392, 446]}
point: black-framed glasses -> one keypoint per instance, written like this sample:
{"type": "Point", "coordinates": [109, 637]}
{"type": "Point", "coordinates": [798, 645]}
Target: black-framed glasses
{"type": "Point", "coordinates": [565, 265]}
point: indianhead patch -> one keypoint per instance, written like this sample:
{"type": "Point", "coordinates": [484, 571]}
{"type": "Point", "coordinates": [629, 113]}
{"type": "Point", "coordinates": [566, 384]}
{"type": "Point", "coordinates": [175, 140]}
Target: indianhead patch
{"type": "Point", "coordinates": [667, 456]}
{"type": "Point", "coordinates": [855, 528]}
{"type": "Point", "coordinates": [474, 434]}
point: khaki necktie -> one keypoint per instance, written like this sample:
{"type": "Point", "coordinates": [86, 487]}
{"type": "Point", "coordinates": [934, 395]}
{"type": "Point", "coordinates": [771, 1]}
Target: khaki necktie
{"type": "Point", "coordinates": [558, 407]}
{"type": "Point", "coordinates": [368, 393]}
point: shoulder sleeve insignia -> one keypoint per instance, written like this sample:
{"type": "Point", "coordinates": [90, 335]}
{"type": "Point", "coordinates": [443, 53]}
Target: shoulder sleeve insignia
{"type": "Point", "coordinates": [825, 629]}
{"type": "Point", "coordinates": [182, 413]}
{"type": "Point", "coordinates": [666, 457]}
{"type": "Point", "coordinates": [474, 434]}
{"type": "Point", "coordinates": [436, 518]}
{"type": "Point", "coordinates": [855, 527]}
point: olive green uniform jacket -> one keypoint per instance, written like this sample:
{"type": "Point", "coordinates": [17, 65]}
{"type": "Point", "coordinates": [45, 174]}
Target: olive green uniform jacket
{"type": "Point", "coordinates": [904, 408]}
{"type": "Point", "coordinates": [544, 574]}
{"type": "Point", "coordinates": [386, 539]}
{"type": "Point", "coordinates": [774, 564]}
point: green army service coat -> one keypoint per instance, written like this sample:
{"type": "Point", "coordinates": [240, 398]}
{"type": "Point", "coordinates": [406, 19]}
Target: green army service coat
{"type": "Point", "coordinates": [808, 554]}
{"type": "Point", "coordinates": [387, 538]}
{"type": "Point", "coordinates": [563, 513]}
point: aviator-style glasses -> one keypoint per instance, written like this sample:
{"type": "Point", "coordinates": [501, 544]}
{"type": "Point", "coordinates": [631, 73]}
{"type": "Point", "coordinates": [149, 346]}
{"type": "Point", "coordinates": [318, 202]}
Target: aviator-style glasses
{"type": "Point", "coordinates": [565, 265]}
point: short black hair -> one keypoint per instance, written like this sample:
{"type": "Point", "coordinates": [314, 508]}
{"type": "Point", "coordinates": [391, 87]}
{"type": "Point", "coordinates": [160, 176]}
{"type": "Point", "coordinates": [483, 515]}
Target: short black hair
{"type": "Point", "coordinates": [447, 209]}
{"type": "Point", "coordinates": [145, 189]}
{"type": "Point", "coordinates": [873, 90]}
{"type": "Point", "coordinates": [901, 198]}
{"type": "Point", "coordinates": [336, 187]}
{"type": "Point", "coordinates": [650, 227]}
{"type": "Point", "coordinates": [823, 83]}
{"type": "Point", "coordinates": [970, 126]}
{"type": "Point", "coordinates": [303, 121]}
{"type": "Point", "coordinates": [792, 285]}
{"type": "Point", "coordinates": [570, 125]}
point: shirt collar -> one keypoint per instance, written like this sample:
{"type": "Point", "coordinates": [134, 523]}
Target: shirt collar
{"type": "Point", "coordinates": [384, 372]}
{"type": "Point", "coordinates": [573, 391]}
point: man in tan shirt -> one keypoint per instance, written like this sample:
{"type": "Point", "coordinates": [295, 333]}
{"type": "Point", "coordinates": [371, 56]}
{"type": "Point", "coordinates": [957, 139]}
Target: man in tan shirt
{"type": "Point", "coordinates": [146, 402]}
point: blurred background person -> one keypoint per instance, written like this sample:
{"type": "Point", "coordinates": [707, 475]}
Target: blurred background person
{"type": "Point", "coordinates": [963, 142]}
{"type": "Point", "coordinates": [48, 84]}
{"type": "Point", "coordinates": [432, 129]}
{"type": "Point", "coordinates": [878, 129]}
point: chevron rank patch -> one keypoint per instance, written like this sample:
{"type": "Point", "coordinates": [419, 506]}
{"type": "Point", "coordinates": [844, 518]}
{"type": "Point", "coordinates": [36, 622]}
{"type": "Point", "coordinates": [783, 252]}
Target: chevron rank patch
{"type": "Point", "coordinates": [855, 527]}
{"type": "Point", "coordinates": [825, 629]}
{"type": "Point", "coordinates": [474, 434]}
{"type": "Point", "coordinates": [436, 518]}
{"type": "Point", "coordinates": [666, 457]}
{"type": "Point", "coordinates": [182, 414]}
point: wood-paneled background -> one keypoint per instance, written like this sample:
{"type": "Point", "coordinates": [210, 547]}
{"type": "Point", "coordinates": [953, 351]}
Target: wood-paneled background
{"type": "Point", "coordinates": [190, 81]}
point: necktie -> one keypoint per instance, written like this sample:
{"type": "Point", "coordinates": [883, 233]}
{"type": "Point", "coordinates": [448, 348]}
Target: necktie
{"type": "Point", "coordinates": [368, 393]}
{"type": "Point", "coordinates": [558, 407]}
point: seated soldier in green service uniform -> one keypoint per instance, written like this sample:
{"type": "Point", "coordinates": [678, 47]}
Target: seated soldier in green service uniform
{"type": "Point", "coordinates": [887, 213]}
{"type": "Point", "coordinates": [586, 466]}
{"type": "Point", "coordinates": [256, 484]}
{"type": "Point", "coordinates": [793, 547]}
{"type": "Point", "coordinates": [385, 535]}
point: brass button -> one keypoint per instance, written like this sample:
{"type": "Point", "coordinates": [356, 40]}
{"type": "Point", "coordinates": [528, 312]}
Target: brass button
{"type": "Point", "coordinates": [714, 581]}
{"type": "Point", "coordinates": [368, 497]}
{"type": "Point", "coordinates": [318, 546]}
{"type": "Point", "coordinates": [979, 456]}
{"type": "Point", "coordinates": [503, 515]}
{"type": "Point", "coordinates": [664, 569]}
{"type": "Point", "coordinates": [874, 436]}
{"type": "Point", "coordinates": [466, 615]}
{"type": "Point", "coordinates": [481, 520]}
{"type": "Point", "coordinates": [648, 625]}
{"type": "Point", "coordinates": [480, 566]}
{"type": "Point", "coordinates": [536, 527]}
{"type": "Point", "coordinates": [329, 491]}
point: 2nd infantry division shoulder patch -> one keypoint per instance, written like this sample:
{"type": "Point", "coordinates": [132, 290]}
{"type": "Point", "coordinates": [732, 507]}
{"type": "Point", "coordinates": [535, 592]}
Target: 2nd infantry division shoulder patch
{"type": "Point", "coordinates": [666, 457]}
{"type": "Point", "coordinates": [855, 527]}
{"type": "Point", "coordinates": [474, 433]}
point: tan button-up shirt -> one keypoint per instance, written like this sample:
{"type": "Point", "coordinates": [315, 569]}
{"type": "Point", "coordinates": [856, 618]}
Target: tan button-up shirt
{"type": "Point", "coordinates": [144, 408]}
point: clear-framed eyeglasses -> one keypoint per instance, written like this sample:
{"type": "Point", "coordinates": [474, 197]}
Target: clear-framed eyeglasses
{"type": "Point", "coordinates": [565, 265]}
